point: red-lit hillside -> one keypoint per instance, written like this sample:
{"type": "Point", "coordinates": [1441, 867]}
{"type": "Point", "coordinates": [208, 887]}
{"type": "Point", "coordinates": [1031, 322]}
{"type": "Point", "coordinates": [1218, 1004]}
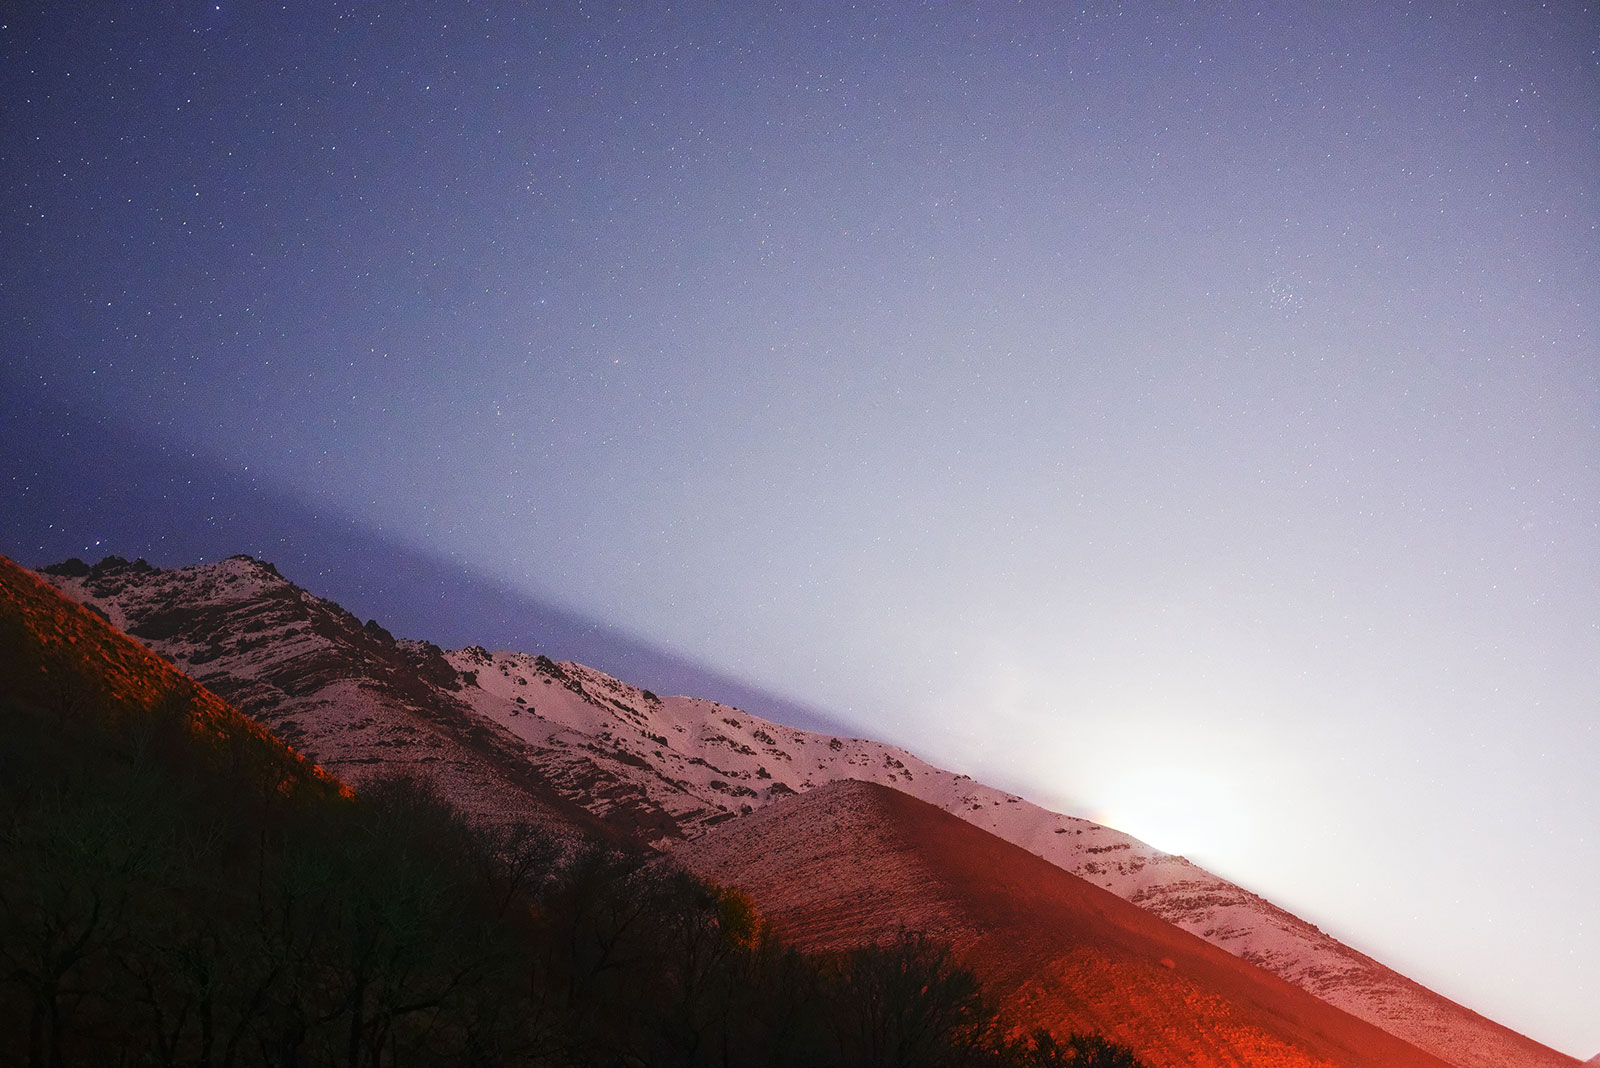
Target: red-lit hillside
{"type": "Point", "coordinates": [518, 736]}
{"type": "Point", "coordinates": [854, 861]}
{"type": "Point", "coordinates": [64, 658]}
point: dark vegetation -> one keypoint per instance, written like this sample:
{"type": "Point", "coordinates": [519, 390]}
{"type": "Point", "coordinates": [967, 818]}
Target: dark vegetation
{"type": "Point", "coordinates": [171, 895]}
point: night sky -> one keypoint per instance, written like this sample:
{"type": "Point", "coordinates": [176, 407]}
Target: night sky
{"type": "Point", "coordinates": [1185, 418]}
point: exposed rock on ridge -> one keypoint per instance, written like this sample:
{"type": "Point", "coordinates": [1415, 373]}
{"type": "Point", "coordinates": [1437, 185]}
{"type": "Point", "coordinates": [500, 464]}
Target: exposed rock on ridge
{"type": "Point", "coordinates": [513, 735]}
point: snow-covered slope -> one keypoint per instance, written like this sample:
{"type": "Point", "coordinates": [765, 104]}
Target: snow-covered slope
{"type": "Point", "coordinates": [703, 762]}
{"type": "Point", "coordinates": [512, 735]}
{"type": "Point", "coordinates": [324, 683]}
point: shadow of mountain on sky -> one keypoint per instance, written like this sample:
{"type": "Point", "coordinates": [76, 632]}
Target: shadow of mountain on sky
{"type": "Point", "coordinates": [89, 485]}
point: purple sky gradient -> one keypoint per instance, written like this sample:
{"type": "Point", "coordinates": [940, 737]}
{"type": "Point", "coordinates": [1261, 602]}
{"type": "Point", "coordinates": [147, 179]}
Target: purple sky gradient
{"type": "Point", "coordinates": [1189, 418]}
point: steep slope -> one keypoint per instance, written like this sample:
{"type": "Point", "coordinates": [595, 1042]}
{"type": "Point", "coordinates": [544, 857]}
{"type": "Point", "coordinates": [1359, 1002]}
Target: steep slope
{"type": "Point", "coordinates": [359, 702]}
{"type": "Point", "coordinates": [512, 733]}
{"type": "Point", "coordinates": [852, 861]}
{"type": "Point", "coordinates": [57, 657]}
{"type": "Point", "coordinates": [703, 763]}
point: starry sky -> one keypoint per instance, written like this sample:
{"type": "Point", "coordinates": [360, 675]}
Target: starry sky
{"type": "Point", "coordinates": [1184, 415]}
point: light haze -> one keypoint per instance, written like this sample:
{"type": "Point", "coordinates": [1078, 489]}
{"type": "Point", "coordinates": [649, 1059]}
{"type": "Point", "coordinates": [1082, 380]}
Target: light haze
{"type": "Point", "coordinates": [1185, 418]}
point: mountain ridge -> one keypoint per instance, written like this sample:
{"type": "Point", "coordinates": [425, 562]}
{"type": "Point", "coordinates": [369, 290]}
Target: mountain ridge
{"type": "Point", "coordinates": [849, 862]}
{"type": "Point", "coordinates": [83, 660]}
{"type": "Point", "coordinates": [571, 744]}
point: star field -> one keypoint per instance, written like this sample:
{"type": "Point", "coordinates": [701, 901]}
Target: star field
{"type": "Point", "coordinates": [1109, 401]}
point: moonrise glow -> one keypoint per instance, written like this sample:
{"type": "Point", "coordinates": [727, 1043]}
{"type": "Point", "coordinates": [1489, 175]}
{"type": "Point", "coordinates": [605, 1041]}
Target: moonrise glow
{"type": "Point", "coordinates": [1185, 416]}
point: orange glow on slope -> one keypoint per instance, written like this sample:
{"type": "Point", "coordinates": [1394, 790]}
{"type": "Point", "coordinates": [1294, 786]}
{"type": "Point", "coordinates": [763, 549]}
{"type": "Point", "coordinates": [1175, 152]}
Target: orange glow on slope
{"type": "Point", "coordinates": [88, 667]}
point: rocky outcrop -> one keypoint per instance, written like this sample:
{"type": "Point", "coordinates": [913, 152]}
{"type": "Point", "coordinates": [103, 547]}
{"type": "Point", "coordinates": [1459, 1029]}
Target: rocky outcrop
{"type": "Point", "coordinates": [516, 736]}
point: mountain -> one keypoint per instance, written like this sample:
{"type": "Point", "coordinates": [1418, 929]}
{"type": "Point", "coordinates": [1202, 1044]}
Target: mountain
{"type": "Point", "coordinates": [322, 681]}
{"type": "Point", "coordinates": [179, 887]}
{"type": "Point", "coordinates": [510, 735]}
{"type": "Point", "coordinates": [851, 862]}
{"type": "Point", "coordinates": [77, 666]}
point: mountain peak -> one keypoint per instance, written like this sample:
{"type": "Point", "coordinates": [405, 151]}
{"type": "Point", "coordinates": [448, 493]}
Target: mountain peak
{"type": "Point", "coordinates": [522, 737]}
{"type": "Point", "coordinates": [82, 664]}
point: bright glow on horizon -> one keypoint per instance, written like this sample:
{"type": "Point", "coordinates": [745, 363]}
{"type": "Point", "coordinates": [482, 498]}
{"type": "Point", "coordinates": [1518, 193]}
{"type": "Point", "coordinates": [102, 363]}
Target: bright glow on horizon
{"type": "Point", "coordinates": [1179, 810]}
{"type": "Point", "coordinates": [1074, 395]}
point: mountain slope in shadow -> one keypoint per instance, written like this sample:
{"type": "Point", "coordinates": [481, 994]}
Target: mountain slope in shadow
{"type": "Point", "coordinates": [64, 658]}
{"type": "Point", "coordinates": [520, 737]}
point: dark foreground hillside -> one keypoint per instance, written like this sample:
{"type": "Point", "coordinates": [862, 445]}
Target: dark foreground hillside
{"type": "Point", "coordinates": [177, 888]}
{"type": "Point", "coordinates": [514, 738]}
